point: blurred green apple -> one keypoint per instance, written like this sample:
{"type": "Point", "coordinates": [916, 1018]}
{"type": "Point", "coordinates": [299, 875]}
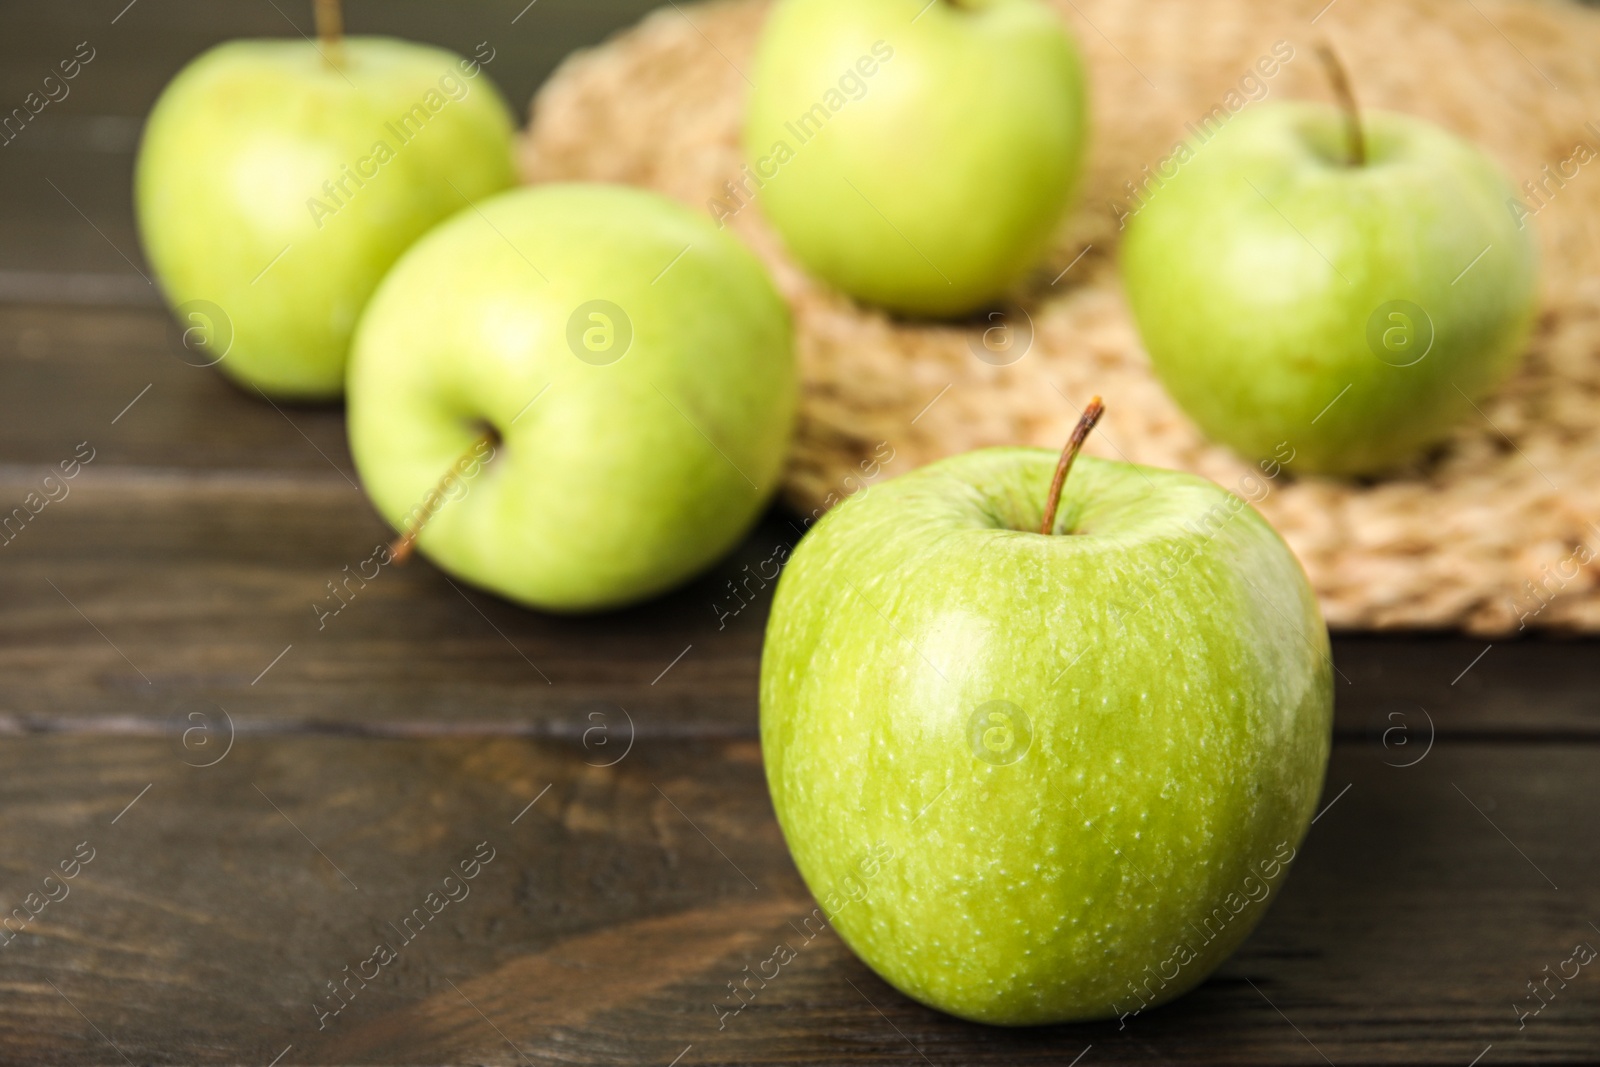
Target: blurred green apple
{"type": "Point", "coordinates": [1036, 778]}
{"type": "Point", "coordinates": [916, 154]}
{"type": "Point", "coordinates": [1287, 293]}
{"type": "Point", "coordinates": [582, 394]}
{"type": "Point", "coordinates": [278, 181]}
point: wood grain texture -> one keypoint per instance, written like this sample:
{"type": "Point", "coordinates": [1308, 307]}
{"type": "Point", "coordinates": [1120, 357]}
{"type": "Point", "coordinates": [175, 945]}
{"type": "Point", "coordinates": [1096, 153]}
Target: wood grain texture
{"type": "Point", "coordinates": [620, 905]}
{"type": "Point", "coordinates": [112, 377]}
{"type": "Point", "coordinates": [137, 592]}
{"type": "Point", "coordinates": [144, 591]}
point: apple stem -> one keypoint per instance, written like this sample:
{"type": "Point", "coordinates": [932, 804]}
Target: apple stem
{"type": "Point", "coordinates": [1091, 415]}
{"type": "Point", "coordinates": [1339, 79]}
{"type": "Point", "coordinates": [400, 548]}
{"type": "Point", "coordinates": [330, 29]}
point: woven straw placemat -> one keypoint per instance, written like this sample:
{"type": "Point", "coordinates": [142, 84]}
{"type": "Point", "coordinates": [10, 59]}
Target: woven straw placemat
{"type": "Point", "coordinates": [1492, 533]}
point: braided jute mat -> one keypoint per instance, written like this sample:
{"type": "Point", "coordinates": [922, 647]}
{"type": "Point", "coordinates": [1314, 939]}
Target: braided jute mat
{"type": "Point", "coordinates": [1492, 533]}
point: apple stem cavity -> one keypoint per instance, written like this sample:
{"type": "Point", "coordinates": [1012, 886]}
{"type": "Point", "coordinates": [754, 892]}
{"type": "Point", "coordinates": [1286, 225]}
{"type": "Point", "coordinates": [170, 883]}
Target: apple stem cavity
{"type": "Point", "coordinates": [330, 30]}
{"type": "Point", "coordinates": [1339, 79]}
{"type": "Point", "coordinates": [401, 548]}
{"type": "Point", "coordinates": [1091, 415]}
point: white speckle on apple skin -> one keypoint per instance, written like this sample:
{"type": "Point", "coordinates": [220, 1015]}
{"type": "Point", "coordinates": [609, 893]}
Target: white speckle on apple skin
{"type": "Point", "coordinates": [1159, 776]}
{"type": "Point", "coordinates": [1291, 316]}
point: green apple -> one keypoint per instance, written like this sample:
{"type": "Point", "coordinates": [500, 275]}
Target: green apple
{"type": "Point", "coordinates": [917, 154]}
{"type": "Point", "coordinates": [278, 181]}
{"type": "Point", "coordinates": [582, 394]}
{"type": "Point", "coordinates": [1286, 293]}
{"type": "Point", "coordinates": [1035, 778]}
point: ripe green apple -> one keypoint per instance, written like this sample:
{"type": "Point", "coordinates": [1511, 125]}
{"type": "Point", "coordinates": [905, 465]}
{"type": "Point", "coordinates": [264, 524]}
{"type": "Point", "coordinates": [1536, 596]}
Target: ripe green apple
{"type": "Point", "coordinates": [1285, 293]}
{"type": "Point", "coordinates": [630, 367]}
{"type": "Point", "coordinates": [275, 188]}
{"type": "Point", "coordinates": [1038, 778]}
{"type": "Point", "coordinates": [915, 154]}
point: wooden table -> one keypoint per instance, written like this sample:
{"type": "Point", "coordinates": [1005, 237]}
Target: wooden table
{"type": "Point", "coordinates": [251, 801]}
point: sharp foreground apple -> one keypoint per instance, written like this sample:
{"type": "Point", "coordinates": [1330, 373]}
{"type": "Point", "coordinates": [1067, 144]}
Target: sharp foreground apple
{"type": "Point", "coordinates": [1035, 778]}
{"type": "Point", "coordinates": [575, 395]}
{"type": "Point", "coordinates": [1287, 292]}
{"type": "Point", "coordinates": [915, 153]}
{"type": "Point", "coordinates": [279, 180]}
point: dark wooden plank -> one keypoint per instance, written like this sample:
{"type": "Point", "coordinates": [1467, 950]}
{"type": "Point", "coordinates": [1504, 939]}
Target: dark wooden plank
{"type": "Point", "coordinates": [142, 591]}
{"type": "Point", "coordinates": [1405, 936]}
{"type": "Point", "coordinates": [137, 594]}
{"type": "Point", "coordinates": [208, 922]}
{"type": "Point", "coordinates": [617, 909]}
{"type": "Point", "coordinates": [1410, 686]}
{"type": "Point", "coordinates": [68, 377]}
